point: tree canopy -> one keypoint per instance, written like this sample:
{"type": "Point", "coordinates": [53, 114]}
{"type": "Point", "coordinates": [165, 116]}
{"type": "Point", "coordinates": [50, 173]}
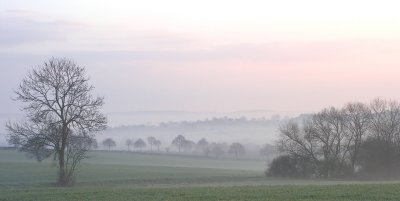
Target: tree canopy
{"type": "Point", "coordinates": [179, 142]}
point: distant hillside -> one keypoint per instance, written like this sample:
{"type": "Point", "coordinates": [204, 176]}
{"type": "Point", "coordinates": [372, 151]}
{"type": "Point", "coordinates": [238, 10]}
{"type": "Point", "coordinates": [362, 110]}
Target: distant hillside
{"type": "Point", "coordinates": [157, 117]}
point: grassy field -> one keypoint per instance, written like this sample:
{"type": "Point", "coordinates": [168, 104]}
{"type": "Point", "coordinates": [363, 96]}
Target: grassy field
{"type": "Point", "coordinates": [359, 192]}
{"type": "Point", "coordinates": [129, 176]}
{"type": "Point", "coordinates": [111, 168]}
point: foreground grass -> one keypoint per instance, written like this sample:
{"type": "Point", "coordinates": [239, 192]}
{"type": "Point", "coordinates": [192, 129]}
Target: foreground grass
{"type": "Point", "coordinates": [352, 192]}
{"type": "Point", "coordinates": [121, 168]}
{"type": "Point", "coordinates": [128, 176]}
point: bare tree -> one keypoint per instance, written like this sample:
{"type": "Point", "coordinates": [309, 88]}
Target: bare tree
{"type": "Point", "coordinates": [139, 144]}
{"type": "Point", "coordinates": [357, 121]}
{"type": "Point", "coordinates": [322, 139]}
{"type": "Point", "coordinates": [236, 149]}
{"type": "Point", "coordinates": [109, 143]}
{"type": "Point", "coordinates": [340, 142]}
{"type": "Point", "coordinates": [128, 143]}
{"type": "Point", "coordinates": [328, 128]}
{"type": "Point", "coordinates": [385, 121]}
{"type": "Point", "coordinates": [298, 141]}
{"type": "Point", "coordinates": [385, 129]}
{"type": "Point", "coordinates": [178, 142]}
{"type": "Point", "coordinates": [62, 115]}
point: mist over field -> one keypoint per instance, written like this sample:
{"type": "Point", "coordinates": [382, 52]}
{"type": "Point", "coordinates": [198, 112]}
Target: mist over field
{"type": "Point", "coordinates": [142, 124]}
{"type": "Point", "coordinates": [199, 100]}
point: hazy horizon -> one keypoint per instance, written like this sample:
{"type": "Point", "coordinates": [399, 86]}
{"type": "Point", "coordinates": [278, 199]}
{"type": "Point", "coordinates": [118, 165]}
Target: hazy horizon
{"type": "Point", "coordinates": [207, 59]}
{"type": "Point", "coordinates": [185, 56]}
{"type": "Point", "coordinates": [203, 100]}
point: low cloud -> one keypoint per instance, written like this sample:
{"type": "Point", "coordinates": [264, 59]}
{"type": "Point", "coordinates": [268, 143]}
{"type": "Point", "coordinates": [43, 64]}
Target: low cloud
{"type": "Point", "coordinates": [266, 53]}
{"type": "Point", "coordinates": [18, 27]}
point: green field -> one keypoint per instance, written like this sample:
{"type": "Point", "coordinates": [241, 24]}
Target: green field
{"type": "Point", "coordinates": [134, 176]}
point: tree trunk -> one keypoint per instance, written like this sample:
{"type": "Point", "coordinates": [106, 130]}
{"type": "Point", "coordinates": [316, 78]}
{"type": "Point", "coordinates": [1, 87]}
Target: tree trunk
{"type": "Point", "coordinates": [61, 164]}
{"type": "Point", "coordinates": [62, 175]}
{"type": "Point", "coordinates": [64, 178]}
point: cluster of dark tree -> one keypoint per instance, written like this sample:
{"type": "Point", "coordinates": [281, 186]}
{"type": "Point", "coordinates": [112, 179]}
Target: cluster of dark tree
{"type": "Point", "coordinates": [139, 144]}
{"type": "Point", "coordinates": [215, 149]}
{"type": "Point", "coordinates": [358, 140]}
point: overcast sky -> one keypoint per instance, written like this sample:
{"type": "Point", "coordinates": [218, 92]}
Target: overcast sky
{"type": "Point", "coordinates": [287, 56]}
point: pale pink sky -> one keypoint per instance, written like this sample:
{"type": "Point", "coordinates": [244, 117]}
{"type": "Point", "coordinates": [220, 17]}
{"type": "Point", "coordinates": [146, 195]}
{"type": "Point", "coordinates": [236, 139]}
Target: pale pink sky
{"type": "Point", "coordinates": [287, 56]}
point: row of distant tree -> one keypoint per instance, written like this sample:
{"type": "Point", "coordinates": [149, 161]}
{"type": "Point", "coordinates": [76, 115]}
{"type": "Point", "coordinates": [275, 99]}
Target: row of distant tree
{"type": "Point", "coordinates": [139, 144]}
{"type": "Point", "coordinates": [358, 139]}
{"type": "Point", "coordinates": [181, 144]}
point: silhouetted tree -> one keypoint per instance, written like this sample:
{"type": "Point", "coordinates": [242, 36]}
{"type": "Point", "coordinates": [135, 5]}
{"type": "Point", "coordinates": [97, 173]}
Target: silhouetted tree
{"type": "Point", "coordinates": [62, 115]}
{"type": "Point", "coordinates": [329, 129]}
{"type": "Point", "coordinates": [178, 142]}
{"type": "Point", "coordinates": [109, 143]}
{"type": "Point", "coordinates": [236, 149]}
{"type": "Point", "coordinates": [357, 121]}
{"type": "Point", "coordinates": [385, 132]}
{"type": "Point", "coordinates": [139, 144]}
{"type": "Point", "coordinates": [340, 142]}
{"type": "Point", "coordinates": [322, 139]}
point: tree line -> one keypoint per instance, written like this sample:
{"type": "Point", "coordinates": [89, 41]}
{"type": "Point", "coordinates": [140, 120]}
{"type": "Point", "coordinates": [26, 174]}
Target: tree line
{"type": "Point", "coordinates": [181, 144]}
{"type": "Point", "coordinates": [357, 140]}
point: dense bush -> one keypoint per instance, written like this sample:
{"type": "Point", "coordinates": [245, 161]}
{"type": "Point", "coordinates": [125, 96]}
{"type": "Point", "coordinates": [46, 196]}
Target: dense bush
{"type": "Point", "coordinates": [290, 166]}
{"type": "Point", "coordinates": [379, 160]}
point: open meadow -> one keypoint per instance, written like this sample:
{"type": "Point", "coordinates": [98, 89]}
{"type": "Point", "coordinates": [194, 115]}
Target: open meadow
{"type": "Point", "coordinates": [150, 176]}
